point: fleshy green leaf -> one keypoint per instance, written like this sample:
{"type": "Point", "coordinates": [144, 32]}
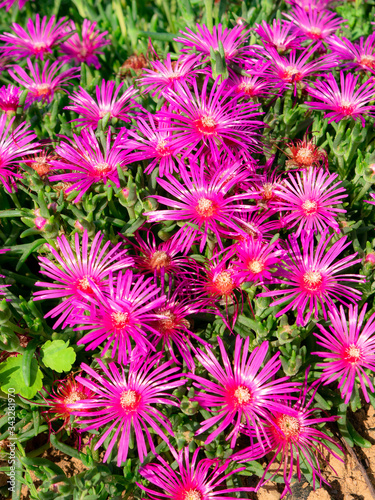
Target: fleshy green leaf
{"type": "Point", "coordinates": [11, 377]}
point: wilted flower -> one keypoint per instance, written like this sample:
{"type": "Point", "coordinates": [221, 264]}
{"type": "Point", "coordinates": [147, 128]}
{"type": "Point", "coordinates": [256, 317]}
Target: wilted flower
{"type": "Point", "coordinates": [64, 393]}
{"type": "Point", "coordinates": [304, 153]}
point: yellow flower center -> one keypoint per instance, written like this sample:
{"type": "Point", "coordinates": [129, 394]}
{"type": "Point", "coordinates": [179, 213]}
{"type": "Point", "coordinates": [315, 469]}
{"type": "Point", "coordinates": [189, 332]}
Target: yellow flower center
{"type": "Point", "coordinates": [206, 125]}
{"type": "Point", "coordinates": [192, 494]}
{"type": "Point", "coordinates": [305, 157]}
{"type": "Point", "coordinates": [309, 207]}
{"type": "Point", "coordinates": [242, 395]}
{"type": "Point", "coordinates": [224, 283]}
{"type": "Point", "coordinates": [159, 259]}
{"type": "Point", "coordinates": [162, 148]}
{"type": "Point", "coordinates": [42, 89]}
{"type": "Point", "coordinates": [129, 400]}
{"type": "Point", "coordinates": [312, 280]}
{"type": "Point", "coordinates": [255, 266]}
{"type": "Point", "coordinates": [119, 320]}
{"type": "Point", "coordinates": [290, 426]}
{"type": "Point", "coordinates": [353, 354]}
{"type": "Point", "coordinates": [205, 208]}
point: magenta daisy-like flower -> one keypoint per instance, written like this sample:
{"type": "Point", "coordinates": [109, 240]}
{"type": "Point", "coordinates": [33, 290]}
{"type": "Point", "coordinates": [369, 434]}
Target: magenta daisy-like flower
{"type": "Point", "coordinates": [312, 276]}
{"type": "Point", "coordinates": [86, 163]}
{"type": "Point", "coordinates": [36, 40]}
{"type": "Point", "coordinates": [154, 141]}
{"type": "Point", "coordinates": [172, 328]}
{"type": "Point", "coordinates": [256, 225]}
{"type": "Point", "coordinates": [9, 3]}
{"type": "Point", "coordinates": [310, 199]}
{"type": "Point", "coordinates": [241, 391]}
{"type": "Point", "coordinates": [251, 86]}
{"type": "Point", "coordinates": [314, 25]}
{"type": "Point", "coordinates": [168, 257]}
{"type": "Point", "coordinates": [203, 480]}
{"type": "Point", "coordinates": [293, 68]}
{"type": "Point", "coordinates": [344, 102]}
{"type": "Point", "coordinates": [280, 35]}
{"type": "Point", "coordinates": [64, 393]}
{"type": "Point", "coordinates": [14, 144]}
{"type": "Point", "coordinates": [307, 5]}
{"type": "Point", "coordinates": [42, 85]}
{"type": "Point", "coordinates": [165, 74]}
{"type": "Point", "coordinates": [360, 56]}
{"type": "Point", "coordinates": [9, 98]}
{"type": "Point", "coordinates": [212, 118]}
{"type": "Point", "coordinates": [294, 436]}
{"type": "Point", "coordinates": [78, 272]}
{"type": "Point", "coordinates": [107, 101]}
{"type": "Point", "coordinates": [256, 259]}
{"type": "Point", "coordinates": [350, 350]}
{"type": "Point", "coordinates": [85, 45]}
{"type": "Point", "coordinates": [124, 402]}
{"type": "Point", "coordinates": [208, 204]}
{"type": "Point", "coordinates": [124, 313]}
{"type": "Point", "coordinates": [204, 40]}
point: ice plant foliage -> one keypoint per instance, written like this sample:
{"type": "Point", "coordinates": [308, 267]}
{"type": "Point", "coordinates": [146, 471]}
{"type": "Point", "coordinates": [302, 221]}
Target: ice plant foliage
{"type": "Point", "coordinates": [125, 403]}
{"type": "Point", "coordinates": [349, 350]}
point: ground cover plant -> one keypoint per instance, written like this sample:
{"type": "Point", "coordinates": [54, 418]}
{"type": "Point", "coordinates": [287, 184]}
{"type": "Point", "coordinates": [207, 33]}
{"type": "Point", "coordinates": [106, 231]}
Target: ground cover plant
{"type": "Point", "coordinates": [187, 244]}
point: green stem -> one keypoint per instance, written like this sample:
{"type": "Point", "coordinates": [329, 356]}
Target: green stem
{"type": "Point", "coordinates": [208, 5]}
